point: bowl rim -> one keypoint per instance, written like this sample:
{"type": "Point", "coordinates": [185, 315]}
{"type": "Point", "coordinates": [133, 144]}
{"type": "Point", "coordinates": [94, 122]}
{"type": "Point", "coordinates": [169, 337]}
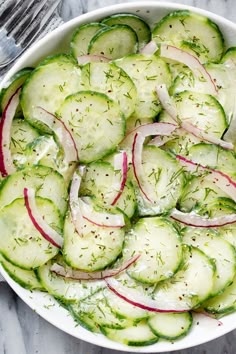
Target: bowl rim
{"type": "Point", "coordinates": [103, 12]}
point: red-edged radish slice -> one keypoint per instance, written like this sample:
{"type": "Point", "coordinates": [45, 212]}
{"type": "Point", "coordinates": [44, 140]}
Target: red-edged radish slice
{"type": "Point", "coordinates": [101, 219]}
{"type": "Point", "coordinates": [64, 136]}
{"type": "Point", "coordinates": [43, 228]}
{"type": "Point", "coordinates": [170, 107]}
{"type": "Point", "coordinates": [220, 179]}
{"type": "Point", "coordinates": [74, 204]}
{"type": "Point", "coordinates": [89, 58]}
{"type": "Point", "coordinates": [120, 164]}
{"type": "Point", "coordinates": [149, 49]}
{"type": "Point", "coordinates": [80, 275]}
{"type": "Point", "coordinates": [133, 297]}
{"type": "Point", "coordinates": [6, 164]}
{"type": "Point", "coordinates": [174, 53]}
{"type": "Point", "coordinates": [192, 219]}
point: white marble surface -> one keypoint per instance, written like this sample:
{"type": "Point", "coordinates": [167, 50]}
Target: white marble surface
{"type": "Point", "coordinates": [21, 330]}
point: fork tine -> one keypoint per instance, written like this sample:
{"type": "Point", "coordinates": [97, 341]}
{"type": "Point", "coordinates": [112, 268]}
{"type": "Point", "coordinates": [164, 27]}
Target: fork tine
{"type": "Point", "coordinates": [35, 30]}
{"type": "Point", "coordinates": [32, 13]}
{"type": "Point", "coordinates": [9, 11]}
{"type": "Point", "coordinates": [19, 13]}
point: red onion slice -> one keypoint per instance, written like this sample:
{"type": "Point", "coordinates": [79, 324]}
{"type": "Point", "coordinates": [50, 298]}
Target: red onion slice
{"type": "Point", "coordinates": [220, 179]}
{"type": "Point", "coordinates": [71, 273]}
{"type": "Point", "coordinates": [174, 53]}
{"type": "Point", "coordinates": [98, 218]}
{"type": "Point", "coordinates": [63, 134]}
{"type": "Point", "coordinates": [149, 49]}
{"type": "Point", "coordinates": [120, 164]}
{"type": "Point", "coordinates": [6, 164]}
{"type": "Point", "coordinates": [134, 298]}
{"type": "Point", "coordinates": [170, 107]}
{"type": "Point", "coordinates": [88, 58]}
{"type": "Point", "coordinates": [192, 219]}
{"type": "Point", "coordinates": [45, 230]}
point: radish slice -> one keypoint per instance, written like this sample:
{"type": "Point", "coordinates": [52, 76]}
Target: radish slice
{"type": "Point", "coordinates": [6, 164]}
{"type": "Point", "coordinates": [63, 134]}
{"type": "Point", "coordinates": [170, 107]}
{"type": "Point", "coordinates": [120, 164]}
{"type": "Point", "coordinates": [220, 179]}
{"type": "Point", "coordinates": [99, 218]}
{"type": "Point", "coordinates": [84, 59]}
{"type": "Point", "coordinates": [140, 300]}
{"type": "Point", "coordinates": [192, 219]}
{"type": "Point", "coordinates": [75, 210]}
{"type": "Point", "coordinates": [45, 230]}
{"type": "Point", "coordinates": [174, 53]}
{"type": "Point", "coordinates": [80, 275]}
{"type": "Point", "coordinates": [149, 49]}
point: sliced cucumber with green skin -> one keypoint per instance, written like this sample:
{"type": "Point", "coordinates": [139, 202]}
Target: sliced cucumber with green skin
{"type": "Point", "coordinates": [114, 42]}
{"type": "Point", "coordinates": [113, 81]}
{"type": "Point", "coordinates": [191, 285]}
{"type": "Point", "coordinates": [7, 92]}
{"type": "Point", "coordinates": [135, 22]}
{"type": "Point", "coordinates": [67, 290]}
{"type": "Point", "coordinates": [191, 32]}
{"type": "Point", "coordinates": [136, 335]}
{"type": "Point", "coordinates": [96, 123]}
{"type": "Point", "coordinates": [82, 37]}
{"type": "Point", "coordinates": [163, 178]}
{"type": "Point", "coordinates": [146, 73]}
{"type": "Point", "coordinates": [199, 192]}
{"type": "Point", "coordinates": [215, 157]}
{"type": "Point", "coordinates": [45, 151]}
{"type": "Point", "coordinates": [98, 248]}
{"type": "Point", "coordinates": [223, 303]}
{"type": "Point", "coordinates": [25, 278]}
{"type": "Point", "coordinates": [47, 184]}
{"type": "Point", "coordinates": [20, 242]}
{"type": "Point", "coordinates": [220, 251]}
{"type": "Point", "coordinates": [229, 55]}
{"type": "Point", "coordinates": [54, 79]}
{"type": "Point", "coordinates": [22, 134]}
{"type": "Point", "coordinates": [97, 182]}
{"type": "Point", "coordinates": [160, 247]}
{"type": "Point", "coordinates": [84, 319]}
{"type": "Point", "coordinates": [171, 326]}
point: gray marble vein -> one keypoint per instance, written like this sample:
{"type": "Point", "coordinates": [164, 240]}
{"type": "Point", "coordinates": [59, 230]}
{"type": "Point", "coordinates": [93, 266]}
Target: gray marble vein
{"type": "Point", "coordinates": [22, 331]}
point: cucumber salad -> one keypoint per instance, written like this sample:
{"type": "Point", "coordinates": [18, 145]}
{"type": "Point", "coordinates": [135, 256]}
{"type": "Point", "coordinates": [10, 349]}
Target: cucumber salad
{"type": "Point", "coordinates": [118, 176]}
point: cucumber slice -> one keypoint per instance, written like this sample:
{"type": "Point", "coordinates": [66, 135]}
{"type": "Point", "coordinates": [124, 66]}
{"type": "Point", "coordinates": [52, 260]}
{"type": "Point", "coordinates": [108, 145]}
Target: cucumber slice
{"type": "Point", "coordinates": [82, 37]}
{"type": "Point", "coordinates": [46, 182]}
{"type": "Point", "coordinates": [22, 134]}
{"type": "Point", "coordinates": [137, 335]}
{"type": "Point", "coordinates": [191, 285]}
{"type": "Point", "coordinates": [25, 278]}
{"type": "Point", "coordinates": [223, 303]}
{"type": "Point", "coordinates": [83, 319]}
{"type": "Point", "coordinates": [160, 247]}
{"type": "Point", "coordinates": [191, 32]}
{"type": "Point", "coordinates": [15, 82]}
{"type": "Point", "coordinates": [20, 242]}
{"type": "Point", "coordinates": [54, 79]}
{"type": "Point", "coordinates": [135, 22]}
{"type": "Point", "coordinates": [171, 326]}
{"type": "Point", "coordinates": [96, 123]}
{"type": "Point", "coordinates": [97, 182]}
{"type": "Point", "coordinates": [114, 42]}
{"type": "Point", "coordinates": [163, 178]}
{"type": "Point", "coordinates": [220, 251]}
{"type": "Point", "coordinates": [230, 55]}
{"type": "Point", "coordinates": [113, 81]}
{"type": "Point", "coordinates": [67, 290]}
{"type": "Point", "coordinates": [146, 73]}
{"type": "Point", "coordinates": [215, 157]}
{"type": "Point", "coordinates": [98, 248]}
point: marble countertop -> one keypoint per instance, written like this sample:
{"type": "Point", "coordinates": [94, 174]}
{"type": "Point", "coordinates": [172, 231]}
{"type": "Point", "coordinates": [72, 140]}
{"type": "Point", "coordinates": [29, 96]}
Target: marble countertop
{"type": "Point", "coordinates": [22, 331]}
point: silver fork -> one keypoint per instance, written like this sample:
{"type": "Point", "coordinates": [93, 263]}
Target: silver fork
{"type": "Point", "coordinates": [21, 23]}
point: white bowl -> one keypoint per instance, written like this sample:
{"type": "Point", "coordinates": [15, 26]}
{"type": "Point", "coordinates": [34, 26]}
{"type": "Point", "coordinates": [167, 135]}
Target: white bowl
{"type": "Point", "coordinates": [204, 329]}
